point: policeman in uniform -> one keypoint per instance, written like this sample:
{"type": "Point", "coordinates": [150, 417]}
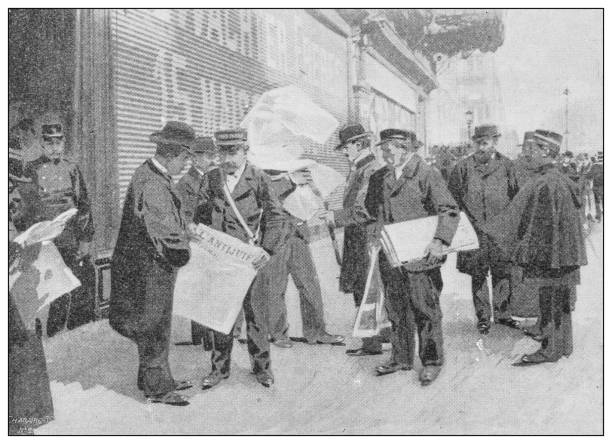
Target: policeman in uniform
{"type": "Point", "coordinates": [204, 158]}
{"type": "Point", "coordinates": [57, 185]}
{"type": "Point", "coordinates": [483, 184]}
{"type": "Point", "coordinates": [407, 188]}
{"type": "Point", "coordinates": [523, 164]}
{"type": "Point", "coordinates": [249, 188]}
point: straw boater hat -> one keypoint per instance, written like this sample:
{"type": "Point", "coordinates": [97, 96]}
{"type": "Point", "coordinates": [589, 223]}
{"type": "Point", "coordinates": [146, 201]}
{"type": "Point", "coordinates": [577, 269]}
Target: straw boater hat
{"type": "Point", "coordinates": [350, 133]}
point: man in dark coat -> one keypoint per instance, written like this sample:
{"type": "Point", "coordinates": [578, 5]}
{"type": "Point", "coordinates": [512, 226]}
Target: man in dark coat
{"type": "Point", "coordinates": [30, 404]}
{"type": "Point", "coordinates": [152, 244]}
{"type": "Point", "coordinates": [541, 230]}
{"type": "Point", "coordinates": [355, 144]}
{"type": "Point", "coordinates": [295, 259]}
{"type": "Point", "coordinates": [483, 184]}
{"type": "Point", "coordinates": [523, 164]}
{"type": "Point", "coordinates": [57, 185]}
{"type": "Point", "coordinates": [266, 225]}
{"type": "Point", "coordinates": [404, 190]}
{"type": "Point", "coordinates": [204, 158]}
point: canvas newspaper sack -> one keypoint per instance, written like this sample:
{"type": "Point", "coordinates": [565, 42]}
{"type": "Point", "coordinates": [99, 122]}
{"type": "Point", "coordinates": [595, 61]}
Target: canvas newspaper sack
{"type": "Point", "coordinates": [211, 287]}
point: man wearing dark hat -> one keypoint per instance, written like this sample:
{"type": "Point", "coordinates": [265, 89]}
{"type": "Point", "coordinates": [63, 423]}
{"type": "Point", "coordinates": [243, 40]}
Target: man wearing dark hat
{"type": "Point", "coordinates": [189, 187]}
{"type": "Point", "coordinates": [260, 220]}
{"type": "Point", "coordinates": [541, 231]}
{"type": "Point", "coordinates": [57, 185]}
{"type": "Point", "coordinates": [483, 184]}
{"type": "Point", "coordinates": [568, 166]}
{"type": "Point", "coordinates": [355, 144]}
{"type": "Point", "coordinates": [598, 185]}
{"type": "Point", "coordinates": [407, 189]}
{"type": "Point", "coordinates": [152, 244]}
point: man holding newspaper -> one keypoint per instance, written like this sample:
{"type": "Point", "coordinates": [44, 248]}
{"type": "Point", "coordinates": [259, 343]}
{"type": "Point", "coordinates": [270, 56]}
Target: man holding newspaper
{"type": "Point", "coordinates": [239, 202]}
{"type": "Point", "coordinates": [407, 189]}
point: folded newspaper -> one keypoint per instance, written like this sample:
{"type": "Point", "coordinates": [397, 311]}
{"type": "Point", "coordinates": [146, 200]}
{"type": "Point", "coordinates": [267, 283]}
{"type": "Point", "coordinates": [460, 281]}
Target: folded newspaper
{"type": "Point", "coordinates": [38, 278]}
{"type": "Point", "coordinates": [405, 242]}
{"type": "Point", "coordinates": [46, 229]}
{"type": "Point", "coordinates": [211, 287]}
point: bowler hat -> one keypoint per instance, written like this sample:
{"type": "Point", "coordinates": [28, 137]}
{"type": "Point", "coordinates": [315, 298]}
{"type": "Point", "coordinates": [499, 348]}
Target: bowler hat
{"type": "Point", "coordinates": [231, 139]}
{"type": "Point", "coordinates": [548, 137]}
{"type": "Point", "coordinates": [483, 131]}
{"type": "Point", "coordinates": [174, 133]}
{"type": "Point", "coordinates": [204, 145]}
{"type": "Point", "coordinates": [350, 133]}
{"type": "Point", "coordinates": [389, 134]}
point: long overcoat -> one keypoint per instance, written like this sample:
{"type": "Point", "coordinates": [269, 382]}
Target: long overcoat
{"type": "Point", "coordinates": [152, 244]}
{"type": "Point", "coordinates": [355, 259]}
{"type": "Point", "coordinates": [482, 190]}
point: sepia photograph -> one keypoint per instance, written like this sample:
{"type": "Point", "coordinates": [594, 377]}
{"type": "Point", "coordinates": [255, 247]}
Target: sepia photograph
{"type": "Point", "coordinates": [305, 221]}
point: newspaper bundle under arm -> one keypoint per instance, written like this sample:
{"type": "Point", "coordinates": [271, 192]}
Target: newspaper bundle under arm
{"type": "Point", "coordinates": [211, 287]}
{"type": "Point", "coordinates": [405, 242]}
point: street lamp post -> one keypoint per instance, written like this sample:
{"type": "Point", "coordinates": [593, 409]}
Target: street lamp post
{"type": "Point", "coordinates": [469, 119]}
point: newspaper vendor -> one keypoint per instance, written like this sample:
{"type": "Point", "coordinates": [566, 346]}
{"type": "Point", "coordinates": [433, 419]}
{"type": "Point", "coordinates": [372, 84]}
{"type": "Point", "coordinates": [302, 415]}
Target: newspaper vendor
{"type": "Point", "coordinates": [152, 244]}
{"type": "Point", "coordinates": [407, 188]}
{"type": "Point", "coordinates": [241, 204]}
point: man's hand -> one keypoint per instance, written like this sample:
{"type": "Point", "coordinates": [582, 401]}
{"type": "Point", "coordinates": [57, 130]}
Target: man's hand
{"type": "Point", "coordinates": [434, 251]}
{"type": "Point", "coordinates": [84, 249]}
{"type": "Point", "coordinates": [301, 177]}
{"type": "Point", "coordinates": [260, 262]}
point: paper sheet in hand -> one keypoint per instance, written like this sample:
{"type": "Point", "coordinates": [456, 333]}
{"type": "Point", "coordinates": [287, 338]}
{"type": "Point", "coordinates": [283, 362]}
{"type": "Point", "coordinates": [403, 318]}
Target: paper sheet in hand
{"type": "Point", "coordinates": [210, 288]}
{"type": "Point", "coordinates": [40, 282]}
{"type": "Point", "coordinates": [45, 230]}
{"type": "Point", "coordinates": [407, 241]}
{"type": "Point", "coordinates": [371, 317]}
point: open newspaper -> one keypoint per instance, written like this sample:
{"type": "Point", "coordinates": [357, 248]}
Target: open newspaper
{"type": "Point", "coordinates": [46, 229]}
{"type": "Point", "coordinates": [405, 242]}
{"type": "Point", "coordinates": [211, 287]}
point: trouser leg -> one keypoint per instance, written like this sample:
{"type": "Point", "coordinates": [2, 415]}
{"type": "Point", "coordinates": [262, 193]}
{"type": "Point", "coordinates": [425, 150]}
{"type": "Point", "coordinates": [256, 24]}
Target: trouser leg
{"type": "Point", "coordinates": [400, 314]}
{"type": "Point", "coordinates": [82, 299]}
{"type": "Point", "coordinates": [256, 313]}
{"type": "Point", "coordinates": [425, 289]}
{"type": "Point", "coordinates": [555, 322]}
{"type": "Point", "coordinates": [500, 277]}
{"type": "Point", "coordinates": [154, 368]}
{"type": "Point", "coordinates": [306, 279]}
{"type": "Point", "coordinates": [58, 313]}
{"type": "Point", "coordinates": [220, 357]}
{"type": "Point", "coordinates": [273, 280]}
{"type": "Point", "coordinates": [598, 196]}
{"type": "Point", "coordinates": [480, 296]}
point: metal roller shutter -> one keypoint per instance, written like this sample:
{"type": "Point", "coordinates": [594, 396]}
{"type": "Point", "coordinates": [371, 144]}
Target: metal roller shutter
{"type": "Point", "coordinates": [206, 67]}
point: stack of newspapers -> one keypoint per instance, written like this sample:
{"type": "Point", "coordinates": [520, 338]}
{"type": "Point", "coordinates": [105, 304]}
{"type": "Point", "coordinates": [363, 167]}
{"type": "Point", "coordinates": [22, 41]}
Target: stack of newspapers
{"type": "Point", "coordinates": [405, 242]}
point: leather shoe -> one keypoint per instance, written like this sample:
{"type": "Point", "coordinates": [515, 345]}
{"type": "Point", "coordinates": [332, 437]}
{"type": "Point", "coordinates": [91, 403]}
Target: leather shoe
{"type": "Point", "coordinates": [483, 327]}
{"type": "Point", "coordinates": [362, 352]}
{"type": "Point", "coordinates": [182, 385]}
{"type": "Point", "coordinates": [282, 342]}
{"type": "Point", "coordinates": [170, 398]}
{"type": "Point", "coordinates": [213, 378]}
{"type": "Point", "coordinates": [508, 322]}
{"type": "Point", "coordinates": [429, 373]}
{"type": "Point", "coordinates": [532, 359]}
{"type": "Point", "coordinates": [326, 338]}
{"type": "Point", "coordinates": [391, 367]}
{"type": "Point", "coordinates": [265, 378]}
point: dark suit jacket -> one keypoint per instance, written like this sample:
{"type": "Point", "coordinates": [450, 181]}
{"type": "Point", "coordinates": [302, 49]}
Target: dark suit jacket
{"type": "Point", "coordinates": [419, 192]}
{"type": "Point", "coordinates": [189, 189]}
{"type": "Point", "coordinates": [256, 202]}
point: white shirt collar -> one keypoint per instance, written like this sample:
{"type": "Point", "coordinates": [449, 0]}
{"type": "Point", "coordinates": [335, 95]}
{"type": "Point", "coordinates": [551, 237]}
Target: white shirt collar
{"type": "Point", "coordinates": [399, 170]}
{"type": "Point", "coordinates": [232, 179]}
{"type": "Point", "coordinates": [159, 166]}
